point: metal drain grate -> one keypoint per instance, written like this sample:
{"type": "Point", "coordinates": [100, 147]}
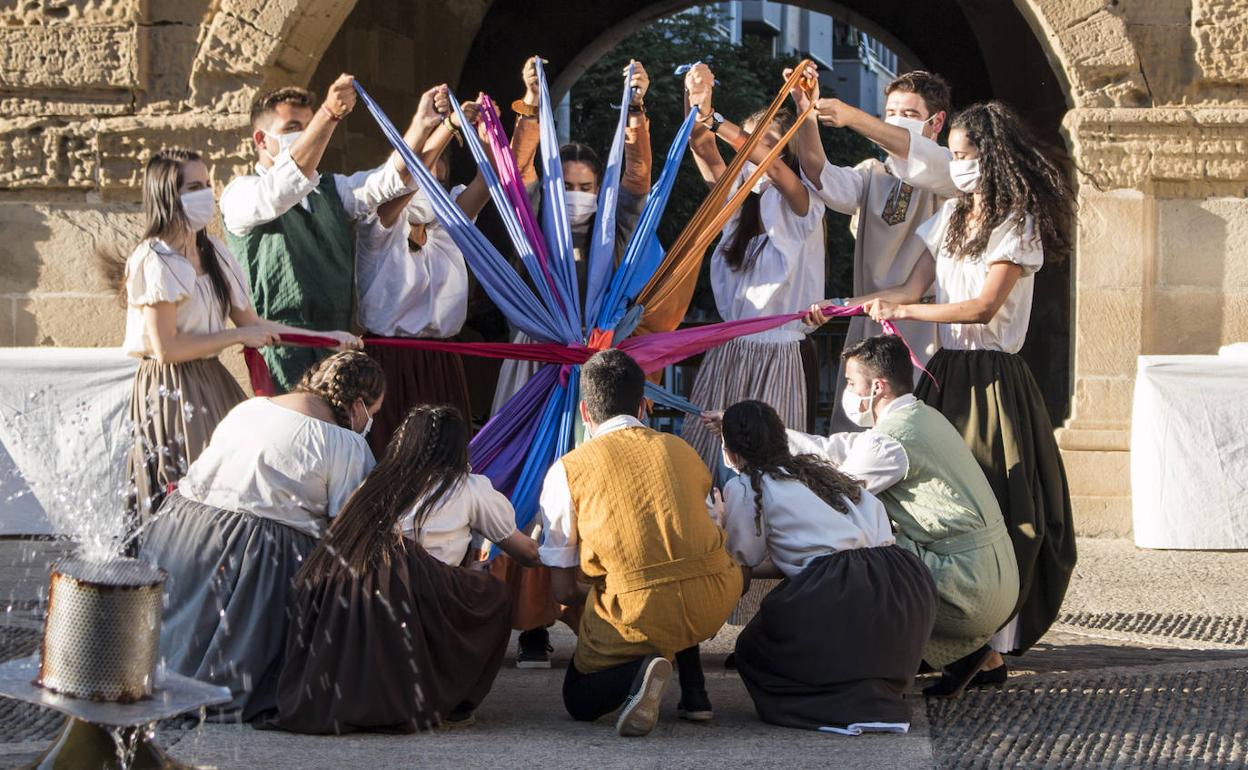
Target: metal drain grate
{"type": "Point", "coordinates": [1201, 628]}
{"type": "Point", "coordinates": [18, 642]}
{"type": "Point", "coordinates": [1195, 719]}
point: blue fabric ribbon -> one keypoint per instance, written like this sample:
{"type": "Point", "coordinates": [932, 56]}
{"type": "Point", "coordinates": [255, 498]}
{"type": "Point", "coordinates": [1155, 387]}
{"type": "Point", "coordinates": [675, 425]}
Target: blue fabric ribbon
{"type": "Point", "coordinates": [661, 395]}
{"type": "Point", "coordinates": [602, 244]}
{"type": "Point", "coordinates": [555, 224]}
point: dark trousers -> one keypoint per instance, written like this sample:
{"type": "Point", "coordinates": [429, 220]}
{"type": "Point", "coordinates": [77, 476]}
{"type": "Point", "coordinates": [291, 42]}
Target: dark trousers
{"type": "Point", "coordinates": [589, 696]}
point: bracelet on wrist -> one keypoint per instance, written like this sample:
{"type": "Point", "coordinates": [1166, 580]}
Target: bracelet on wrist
{"type": "Point", "coordinates": [524, 109]}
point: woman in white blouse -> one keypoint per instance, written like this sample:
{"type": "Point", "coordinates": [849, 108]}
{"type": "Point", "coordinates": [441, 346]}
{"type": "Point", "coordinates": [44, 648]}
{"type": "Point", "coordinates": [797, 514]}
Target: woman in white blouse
{"type": "Point", "coordinates": [181, 285]}
{"type": "Point", "coordinates": [247, 514]}
{"type": "Point", "coordinates": [388, 631]}
{"type": "Point", "coordinates": [840, 639]}
{"type": "Point", "coordinates": [984, 248]}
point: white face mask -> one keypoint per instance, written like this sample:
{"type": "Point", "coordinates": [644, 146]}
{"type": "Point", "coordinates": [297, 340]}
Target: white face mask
{"type": "Point", "coordinates": [723, 451]}
{"type": "Point", "coordinates": [368, 424]}
{"type": "Point", "coordinates": [581, 206]}
{"type": "Point", "coordinates": [748, 169]}
{"type": "Point", "coordinates": [420, 210]}
{"type": "Point", "coordinates": [851, 403]}
{"type": "Point", "coordinates": [200, 206]}
{"type": "Point", "coordinates": [965, 174]}
{"type": "Point", "coordinates": [910, 124]}
{"type": "Point", "coordinates": [284, 141]}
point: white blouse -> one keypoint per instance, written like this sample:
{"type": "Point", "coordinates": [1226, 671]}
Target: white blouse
{"type": "Point", "coordinates": [877, 460]}
{"type": "Point", "coordinates": [406, 293]}
{"type": "Point", "coordinates": [473, 505]}
{"type": "Point", "coordinates": [786, 265]}
{"type": "Point", "coordinates": [156, 273]}
{"type": "Point", "coordinates": [958, 280]}
{"type": "Point", "coordinates": [798, 526]}
{"type": "Point", "coordinates": [276, 463]}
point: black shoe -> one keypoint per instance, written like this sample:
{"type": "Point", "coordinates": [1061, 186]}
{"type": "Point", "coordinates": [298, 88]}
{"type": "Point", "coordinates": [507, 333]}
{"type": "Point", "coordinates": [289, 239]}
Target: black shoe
{"type": "Point", "coordinates": [464, 715]}
{"type": "Point", "coordinates": [958, 674]}
{"type": "Point", "coordinates": [993, 677]}
{"type": "Point", "coordinates": [641, 711]}
{"type": "Point", "coordinates": [534, 649]}
{"type": "Point", "coordinates": [730, 662]}
{"type": "Point", "coordinates": [694, 705]}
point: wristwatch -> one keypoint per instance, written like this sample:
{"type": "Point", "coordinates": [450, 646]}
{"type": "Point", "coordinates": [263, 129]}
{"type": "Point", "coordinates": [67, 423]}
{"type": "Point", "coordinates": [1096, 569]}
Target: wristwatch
{"type": "Point", "coordinates": [717, 120]}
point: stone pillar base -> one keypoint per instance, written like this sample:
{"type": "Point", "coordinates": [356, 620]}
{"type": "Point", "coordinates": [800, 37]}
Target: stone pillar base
{"type": "Point", "coordinates": [1098, 469]}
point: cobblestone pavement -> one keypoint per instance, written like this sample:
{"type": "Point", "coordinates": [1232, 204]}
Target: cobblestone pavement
{"type": "Point", "coordinates": [1147, 668]}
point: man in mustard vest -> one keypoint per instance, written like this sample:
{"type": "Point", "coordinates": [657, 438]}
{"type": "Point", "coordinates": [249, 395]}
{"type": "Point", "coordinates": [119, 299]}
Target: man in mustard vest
{"type": "Point", "coordinates": [627, 533]}
{"type": "Point", "coordinates": [944, 511]}
{"type": "Point", "coordinates": [292, 228]}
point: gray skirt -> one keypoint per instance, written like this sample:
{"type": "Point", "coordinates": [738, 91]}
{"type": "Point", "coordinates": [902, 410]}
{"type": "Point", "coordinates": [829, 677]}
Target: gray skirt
{"type": "Point", "coordinates": [225, 616]}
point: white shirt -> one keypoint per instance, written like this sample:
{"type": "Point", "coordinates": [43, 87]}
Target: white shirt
{"type": "Point", "coordinates": [276, 463]}
{"type": "Point", "coordinates": [472, 505]}
{"type": "Point", "coordinates": [926, 167]}
{"type": "Point", "coordinates": [405, 292]}
{"type": "Point", "coordinates": [785, 265]}
{"type": "Point", "coordinates": [156, 273]}
{"type": "Point", "coordinates": [877, 460]}
{"type": "Point", "coordinates": [252, 200]}
{"type": "Point", "coordinates": [560, 547]}
{"type": "Point", "coordinates": [958, 280]}
{"type": "Point", "coordinates": [797, 525]}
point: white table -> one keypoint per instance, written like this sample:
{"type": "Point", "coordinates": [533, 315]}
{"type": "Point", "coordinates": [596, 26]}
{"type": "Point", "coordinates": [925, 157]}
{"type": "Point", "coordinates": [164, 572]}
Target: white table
{"type": "Point", "coordinates": [1189, 452]}
{"type": "Point", "coordinates": [63, 435]}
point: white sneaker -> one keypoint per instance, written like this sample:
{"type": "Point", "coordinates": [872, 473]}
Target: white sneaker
{"type": "Point", "coordinates": [641, 711]}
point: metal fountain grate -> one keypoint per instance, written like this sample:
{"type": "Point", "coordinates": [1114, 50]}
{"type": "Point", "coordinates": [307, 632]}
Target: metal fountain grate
{"type": "Point", "coordinates": [1201, 628]}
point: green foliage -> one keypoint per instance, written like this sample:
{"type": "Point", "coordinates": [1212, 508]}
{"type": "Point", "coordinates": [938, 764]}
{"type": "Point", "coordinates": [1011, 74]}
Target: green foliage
{"type": "Point", "coordinates": [748, 78]}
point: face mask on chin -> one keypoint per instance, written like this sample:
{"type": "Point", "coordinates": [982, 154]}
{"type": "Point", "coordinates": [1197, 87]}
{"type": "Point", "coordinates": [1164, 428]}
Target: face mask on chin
{"type": "Point", "coordinates": [851, 403]}
{"type": "Point", "coordinates": [581, 206]}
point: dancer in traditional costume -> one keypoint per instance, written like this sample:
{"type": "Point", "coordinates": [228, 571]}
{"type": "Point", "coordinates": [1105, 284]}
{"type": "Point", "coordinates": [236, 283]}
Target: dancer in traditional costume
{"type": "Point", "coordinates": [888, 200]}
{"type": "Point", "coordinates": [627, 512]}
{"type": "Point", "coordinates": [937, 497]}
{"type": "Point", "coordinates": [248, 513]}
{"type": "Point", "coordinates": [839, 640]}
{"type": "Point", "coordinates": [984, 248]}
{"type": "Point", "coordinates": [534, 606]}
{"type": "Point", "coordinates": [291, 227]}
{"type": "Point", "coordinates": [181, 286]}
{"type": "Point", "coordinates": [389, 632]}
{"type": "Point", "coordinates": [412, 281]}
{"type": "Point", "coordinates": [769, 261]}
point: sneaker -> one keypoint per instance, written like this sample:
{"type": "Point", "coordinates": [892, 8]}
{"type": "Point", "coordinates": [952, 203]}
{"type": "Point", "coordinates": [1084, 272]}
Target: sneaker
{"type": "Point", "coordinates": [641, 711]}
{"type": "Point", "coordinates": [695, 706]}
{"type": "Point", "coordinates": [535, 649]}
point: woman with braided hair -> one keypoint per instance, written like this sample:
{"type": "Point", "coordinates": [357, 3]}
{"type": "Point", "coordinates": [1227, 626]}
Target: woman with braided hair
{"type": "Point", "coordinates": [984, 248]}
{"type": "Point", "coordinates": [838, 642]}
{"type": "Point", "coordinates": [390, 631]}
{"type": "Point", "coordinates": [247, 514]}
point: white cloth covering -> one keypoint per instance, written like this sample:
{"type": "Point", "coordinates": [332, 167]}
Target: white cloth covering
{"type": "Point", "coordinates": [472, 505]}
{"type": "Point", "coordinates": [797, 525]}
{"type": "Point", "coordinates": [561, 547]}
{"type": "Point", "coordinates": [958, 280]}
{"type": "Point", "coordinates": [276, 463]}
{"type": "Point", "coordinates": [155, 273]}
{"type": "Point", "coordinates": [1189, 452]}
{"type": "Point", "coordinates": [878, 461]}
{"type": "Point", "coordinates": [64, 436]}
{"type": "Point", "coordinates": [785, 270]}
{"type": "Point", "coordinates": [405, 292]}
{"type": "Point", "coordinates": [251, 200]}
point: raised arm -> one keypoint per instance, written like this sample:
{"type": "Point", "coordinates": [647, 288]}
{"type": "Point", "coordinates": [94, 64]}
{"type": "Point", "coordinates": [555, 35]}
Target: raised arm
{"type": "Point", "coordinates": [528, 131]}
{"type": "Point", "coordinates": [427, 135]}
{"type": "Point", "coordinates": [309, 148]}
{"type": "Point", "coordinates": [806, 144]}
{"type": "Point", "coordinates": [635, 176]}
{"type": "Point", "coordinates": [894, 139]}
{"type": "Point", "coordinates": [698, 84]}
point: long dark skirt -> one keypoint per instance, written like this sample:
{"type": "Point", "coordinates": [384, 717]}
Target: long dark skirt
{"type": "Point", "coordinates": [840, 642]}
{"type": "Point", "coordinates": [415, 377]}
{"type": "Point", "coordinates": [992, 398]}
{"type": "Point", "coordinates": [395, 649]}
{"type": "Point", "coordinates": [225, 614]}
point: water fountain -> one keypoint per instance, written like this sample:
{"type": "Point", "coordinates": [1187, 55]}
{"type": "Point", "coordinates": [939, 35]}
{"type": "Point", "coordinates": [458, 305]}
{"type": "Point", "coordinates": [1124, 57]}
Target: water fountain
{"type": "Point", "coordinates": [98, 666]}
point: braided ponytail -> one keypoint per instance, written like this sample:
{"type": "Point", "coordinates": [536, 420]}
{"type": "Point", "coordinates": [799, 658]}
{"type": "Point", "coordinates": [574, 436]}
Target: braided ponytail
{"type": "Point", "coordinates": [754, 432]}
{"type": "Point", "coordinates": [341, 379]}
{"type": "Point", "coordinates": [425, 459]}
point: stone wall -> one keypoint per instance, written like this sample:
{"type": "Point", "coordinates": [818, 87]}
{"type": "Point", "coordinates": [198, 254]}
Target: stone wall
{"type": "Point", "coordinates": [1157, 127]}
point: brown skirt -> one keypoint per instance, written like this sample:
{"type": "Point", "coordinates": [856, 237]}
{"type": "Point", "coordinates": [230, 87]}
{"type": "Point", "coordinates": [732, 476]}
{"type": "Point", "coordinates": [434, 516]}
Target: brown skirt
{"type": "Point", "coordinates": [396, 649]}
{"type": "Point", "coordinates": [174, 409]}
{"type": "Point", "coordinates": [533, 602]}
{"type": "Point", "coordinates": [993, 400]}
{"type": "Point", "coordinates": [415, 377]}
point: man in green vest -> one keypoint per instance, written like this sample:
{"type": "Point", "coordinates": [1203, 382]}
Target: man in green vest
{"type": "Point", "coordinates": [944, 511]}
{"type": "Point", "coordinates": [292, 228]}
